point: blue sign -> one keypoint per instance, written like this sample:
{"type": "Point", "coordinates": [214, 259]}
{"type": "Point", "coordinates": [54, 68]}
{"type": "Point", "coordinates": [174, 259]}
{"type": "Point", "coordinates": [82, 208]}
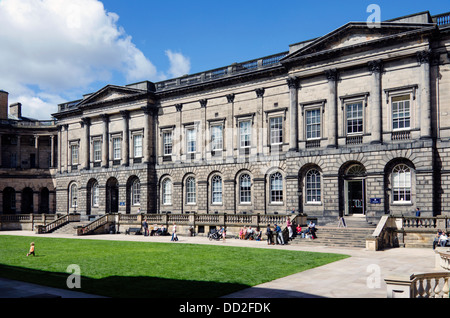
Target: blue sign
{"type": "Point", "coordinates": [122, 203]}
{"type": "Point", "coordinates": [375, 201]}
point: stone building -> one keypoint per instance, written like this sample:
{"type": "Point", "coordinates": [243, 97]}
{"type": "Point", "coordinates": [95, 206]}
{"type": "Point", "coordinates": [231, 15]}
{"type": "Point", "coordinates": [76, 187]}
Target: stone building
{"type": "Point", "coordinates": [351, 123]}
{"type": "Point", "coordinates": [27, 161]}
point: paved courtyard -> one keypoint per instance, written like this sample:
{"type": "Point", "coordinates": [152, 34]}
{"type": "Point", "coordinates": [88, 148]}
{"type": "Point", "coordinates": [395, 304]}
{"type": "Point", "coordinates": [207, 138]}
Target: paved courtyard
{"type": "Point", "coordinates": [359, 276]}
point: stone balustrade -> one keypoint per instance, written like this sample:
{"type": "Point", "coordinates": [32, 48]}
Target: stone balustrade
{"type": "Point", "coordinates": [429, 285]}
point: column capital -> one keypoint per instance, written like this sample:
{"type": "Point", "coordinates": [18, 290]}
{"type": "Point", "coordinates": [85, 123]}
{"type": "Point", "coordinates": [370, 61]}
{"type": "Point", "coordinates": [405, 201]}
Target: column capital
{"type": "Point", "coordinates": [203, 103]}
{"type": "Point", "coordinates": [375, 66]}
{"type": "Point", "coordinates": [85, 121]}
{"type": "Point", "coordinates": [104, 117]}
{"type": "Point", "coordinates": [230, 98]}
{"type": "Point", "coordinates": [424, 57]}
{"type": "Point", "coordinates": [125, 114]}
{"type": "Point", "coordinates": [179, 107]}
{"type": "Point", "coordinates": [332, 75]}
{"type": "Point", "coordinates": [293, 82]}
{"type": "Point", "coordinates": [260, 92]}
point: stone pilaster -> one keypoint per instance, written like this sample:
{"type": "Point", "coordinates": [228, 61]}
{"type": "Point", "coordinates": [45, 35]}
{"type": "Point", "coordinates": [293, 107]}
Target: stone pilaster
{"type": "Point", "coordinates": [126, 138]}
{"type": "Point", "coordinates": [332, 120]}
{"type": "Point", "coordinates": [105, 141]}
{"type": "Point", "coordinates": [376, 68]}
{"type": "Point", "coordinates": [86, 148]}
{"type": "Point", "coordinates": [293, 84]}
{"type": "Point", "coordinates": [423, 58]}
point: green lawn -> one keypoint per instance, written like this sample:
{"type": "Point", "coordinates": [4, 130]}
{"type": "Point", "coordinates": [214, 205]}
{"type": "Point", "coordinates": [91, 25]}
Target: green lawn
{"type": "Point", "coordinates": [151, 270]}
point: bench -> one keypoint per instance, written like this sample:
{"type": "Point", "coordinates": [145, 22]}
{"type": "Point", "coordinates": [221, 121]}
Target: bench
{"type": "Point", "coordinates": [135, 230]}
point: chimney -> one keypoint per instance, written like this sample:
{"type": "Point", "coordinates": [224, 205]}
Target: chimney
{"type": "Point", "coordinates": [16, 110]}
{"type": "Point", "coordinates": [3, 105]}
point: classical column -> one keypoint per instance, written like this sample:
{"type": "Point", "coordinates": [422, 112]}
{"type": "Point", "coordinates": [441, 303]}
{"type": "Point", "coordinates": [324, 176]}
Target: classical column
{"type": "Point", "coordinates": [204, 133]}
{"type": "Point", "coordinates": [293, 84]}
{"type": "Point", "coordinates": [423, 58]}
{"type": "Point", "coordinates": [147, 135]}
{"type": "Point", "coordinates": [376, 68]}
{"type": "Point", "coordinates": [59, 149]}
{"type": "Point", "coordinates": [105, 141]}
{"type": "Point", "coordinates": [126, 139]}
{"type": "Point", "coordinates": [19, 151]}
{"type": "Point", "coordinates": [230, 127]}
{"type": "Point", "coordinates": [332, 122]}
{"type": "Point", "coordinates": [86, 124]}
{"type": "Point", "coordinates": [36, 148]}
{"type": "Point", "coordinates": [258, 132]}
{"type": "Point", "coordinates": [66, 147]}
{"type": "Point", "coordinates": [52, 151]}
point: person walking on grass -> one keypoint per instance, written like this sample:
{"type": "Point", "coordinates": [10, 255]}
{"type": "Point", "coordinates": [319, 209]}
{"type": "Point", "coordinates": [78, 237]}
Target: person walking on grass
{"type": "Point", "coordinates": [31, 249]}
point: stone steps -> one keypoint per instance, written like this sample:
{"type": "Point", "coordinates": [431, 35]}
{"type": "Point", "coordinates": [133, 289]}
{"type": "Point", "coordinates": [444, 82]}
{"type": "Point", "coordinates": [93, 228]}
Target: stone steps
{"type": "Point", "coordinates": [70, 228]}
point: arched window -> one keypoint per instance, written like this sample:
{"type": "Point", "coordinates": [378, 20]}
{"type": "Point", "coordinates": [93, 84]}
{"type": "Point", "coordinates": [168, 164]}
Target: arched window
{"type": "Point", "coordinates": [245, 192]}
{"type": "Point", "coordinates": [95, 194]}
{"type": "Point", "coordinates": [73, 195]}
{"type": "Point", "coordinates": [217, 190]}
{"type": "Point", "coordinates": [401, 183]}
{"type": "Point", "coordinates": [276, 188]}
{"type": "Point", "coordinates": [190, 191]}
{"type": "Point", "coordinates": [167, 192]}
{"type": "Point", "coordinates": [313, 192]}
{"type": "Point", "coordinates": [136, 192]}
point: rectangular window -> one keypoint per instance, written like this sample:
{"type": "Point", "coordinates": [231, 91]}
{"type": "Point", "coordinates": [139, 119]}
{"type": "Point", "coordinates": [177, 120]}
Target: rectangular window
{"type": "Point", "coordinates": [97, 150]}
{"type": "Point", "coordinates": [137, 146]}
{"type": "Point", "coordinates": [117, 148]}
{"type": "Point", "coordinates": [217, 137]}
{"type": "Point", "coordinates": [354, 118]}
{"type": "Point", "coordinates": [74, 154]}
{"type": "Point", "coordinates": [276, 130]}
{"type": "Point", "coordinates": [401, 112]}
{"type": "Point", "coordinates": [167, 143]}
{"type": "Point", "coordinates": [313, 124]}
{"type": "Point", "coordinates": [191, 138]}
{"type": "Point", "coordinates": [245, 134]}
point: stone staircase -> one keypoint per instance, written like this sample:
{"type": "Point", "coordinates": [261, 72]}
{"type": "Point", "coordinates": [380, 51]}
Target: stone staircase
{"type": "Point", "coordinates": [70, 228]}
{"type": "Point", "coordinates": [354, 235]}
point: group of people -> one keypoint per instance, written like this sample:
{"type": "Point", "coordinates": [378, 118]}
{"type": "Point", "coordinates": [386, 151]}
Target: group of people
{"type": "Point", "coordinates": [441, 239]}
{"type": "Point", "coordinates": [277, 232]}
{"type": "Point", "coordinates": [250, 233]}
{"type": "Point", "coordinates": [155, 231]}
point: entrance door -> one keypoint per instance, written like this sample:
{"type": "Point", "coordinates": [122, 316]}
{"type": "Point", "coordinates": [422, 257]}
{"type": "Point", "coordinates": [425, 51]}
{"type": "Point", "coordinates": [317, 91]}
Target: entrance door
{"type": "Point", "coordinates": [112, 196]}
{"type": "Point", "coordinates": [355, 197]}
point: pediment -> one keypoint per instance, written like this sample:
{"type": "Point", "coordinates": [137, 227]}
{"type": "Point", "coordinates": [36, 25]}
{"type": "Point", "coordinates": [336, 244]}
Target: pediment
{"type": "Point", "coordinates": [110, 93]}
{"type": "Point", "coordinates": [356, 34]}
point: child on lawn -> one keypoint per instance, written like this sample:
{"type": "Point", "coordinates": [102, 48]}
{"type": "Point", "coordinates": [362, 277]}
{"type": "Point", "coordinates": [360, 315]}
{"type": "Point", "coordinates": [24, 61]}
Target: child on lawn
{"type": "Point", "coordinates": [31, 249]}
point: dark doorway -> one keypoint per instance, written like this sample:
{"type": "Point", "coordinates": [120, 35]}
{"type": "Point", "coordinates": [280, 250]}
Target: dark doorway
{"type": "Point", "coordinates": [44, 206]}
{"type": "Point", "coordinates": [9, 201]}
{"type": "Point", "coordinates": [355, 196]}
{"type": "Point", "coordinates": [27, 201]}
{"type": "Point", "coordinates": [112, 196]}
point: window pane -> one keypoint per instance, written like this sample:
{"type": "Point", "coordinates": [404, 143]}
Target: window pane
{"type": "Point", "coordinates": [217, 137]}
{"type": "Point", "coordinates": [276, 187]}
{"type": "Point", "coordinates": [117, 148]}
{"type": "Point", "coordinates": [137, 140]}
{"type": "Point", "coordinates": [313, 193]}
{"type": "Point", "coordinates": [401, 112]}
{"type": "Point", "coordinates": [167, 192]}
{"type": "Point", "coordinates": [245, 134]}
{"type": "Point", "coordinates": [97, 150]}
{"type": "Point", "coordinates": [276, 130]}
{"type": "Point", "coordinates": [191, 140]}
{"type": "Point", "coordinates": [354, 118]}
{"type": "Point", "coordinates": [217, 189]}
{"type": "Point", "coordinates": [401, 181]}
{"type": "Point", "coordinates": [313, 124]}
{"type": "Point", "coordinates": [245, 188]}
{"type": "Point", "coordinates": [190, 190]}
{"type": "Point", "coordinates": [167, 142]}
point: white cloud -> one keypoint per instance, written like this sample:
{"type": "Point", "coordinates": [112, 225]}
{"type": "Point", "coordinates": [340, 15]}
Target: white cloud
{"type": "Point", "coordinates": [61, 47]}
{"type": "Point", "coordinates": [179, 64]}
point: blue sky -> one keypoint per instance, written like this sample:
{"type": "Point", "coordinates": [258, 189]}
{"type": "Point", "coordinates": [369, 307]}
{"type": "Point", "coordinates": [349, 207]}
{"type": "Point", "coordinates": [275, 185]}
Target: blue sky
{"type": "Point", "coordinates": [57, 50]}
